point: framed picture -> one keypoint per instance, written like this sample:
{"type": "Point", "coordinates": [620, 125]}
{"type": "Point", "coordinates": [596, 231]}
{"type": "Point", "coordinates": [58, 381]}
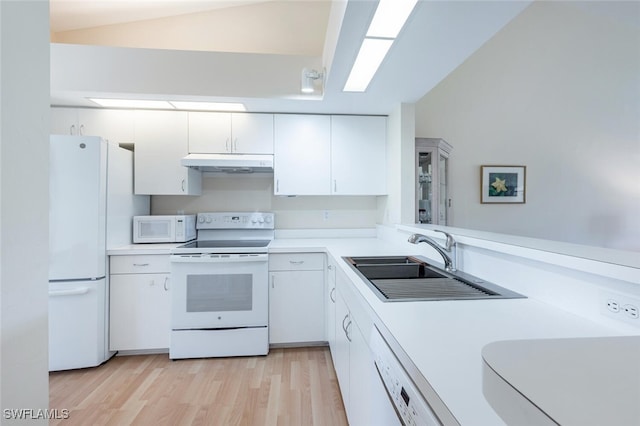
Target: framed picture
{"type": "Point", "coordinates": [502, 184]}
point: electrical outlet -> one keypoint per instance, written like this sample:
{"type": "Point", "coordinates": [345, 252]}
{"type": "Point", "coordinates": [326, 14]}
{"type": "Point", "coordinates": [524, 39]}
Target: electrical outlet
{"type": "Point", "coordinates": [613, 305]}
{"type": "Point", "coordinates": [621, 307]}
{"type": "Point", "coordinates": [631, 311]}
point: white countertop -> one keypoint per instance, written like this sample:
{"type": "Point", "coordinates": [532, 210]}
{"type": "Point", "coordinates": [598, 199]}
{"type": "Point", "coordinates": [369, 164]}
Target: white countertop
{"type": "Point", "coordinates": [444, 339]}
{"type": "Point", "coordinates": [133, 249]}
{"type": "Point", "coordinates": [569, 379]}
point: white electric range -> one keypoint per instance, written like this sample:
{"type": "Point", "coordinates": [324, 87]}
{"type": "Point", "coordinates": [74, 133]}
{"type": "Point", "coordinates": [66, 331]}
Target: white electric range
{"type": "Point", "coordinates": [220, 292]}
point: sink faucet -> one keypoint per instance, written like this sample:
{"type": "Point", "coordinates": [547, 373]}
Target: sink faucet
{"type": "Point", "coordinates": [450, 247]}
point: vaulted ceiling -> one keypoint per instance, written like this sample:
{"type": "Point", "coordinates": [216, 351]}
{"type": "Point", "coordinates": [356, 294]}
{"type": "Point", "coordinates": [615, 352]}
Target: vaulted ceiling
{"type": "Point", "coordinates": [438, 37]}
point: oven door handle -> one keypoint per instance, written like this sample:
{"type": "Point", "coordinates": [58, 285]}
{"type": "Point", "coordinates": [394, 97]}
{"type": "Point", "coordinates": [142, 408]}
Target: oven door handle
{"type": "Point", "coordinates": [215, 258]}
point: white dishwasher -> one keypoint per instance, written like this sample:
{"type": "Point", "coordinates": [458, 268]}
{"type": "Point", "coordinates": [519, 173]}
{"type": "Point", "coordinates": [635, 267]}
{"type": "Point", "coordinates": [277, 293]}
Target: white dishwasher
{"type": "Point", "coordinates": [411, 407]}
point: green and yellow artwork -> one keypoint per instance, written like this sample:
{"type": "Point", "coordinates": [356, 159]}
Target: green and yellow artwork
{"type": "Point", "coordinates": [503, 184]}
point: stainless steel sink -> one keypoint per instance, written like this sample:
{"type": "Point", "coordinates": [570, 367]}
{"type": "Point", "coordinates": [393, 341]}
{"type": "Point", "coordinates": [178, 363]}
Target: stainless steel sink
{"type": "Point", "coordinates": [411, 278]}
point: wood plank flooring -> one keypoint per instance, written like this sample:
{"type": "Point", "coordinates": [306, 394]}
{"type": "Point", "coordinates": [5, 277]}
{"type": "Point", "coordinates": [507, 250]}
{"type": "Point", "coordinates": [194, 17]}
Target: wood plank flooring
{"type": "Point", "coordinates": [292, 386]}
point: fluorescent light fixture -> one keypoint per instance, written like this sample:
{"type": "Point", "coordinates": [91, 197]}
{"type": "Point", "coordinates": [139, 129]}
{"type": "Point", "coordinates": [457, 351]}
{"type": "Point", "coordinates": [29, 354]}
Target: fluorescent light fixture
{"type": "Point", "coordinates": [132, 103]}
{"type": "Point", "coordinates": [370, 56]}
{"type": "Point", "coordinates": [209, 106]}
{"type": "Point", "coordinates": [390, 17]}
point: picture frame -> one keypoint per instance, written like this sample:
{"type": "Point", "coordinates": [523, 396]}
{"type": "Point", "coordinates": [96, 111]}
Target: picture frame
{"type": "Point", "coordinates": [503, 184]}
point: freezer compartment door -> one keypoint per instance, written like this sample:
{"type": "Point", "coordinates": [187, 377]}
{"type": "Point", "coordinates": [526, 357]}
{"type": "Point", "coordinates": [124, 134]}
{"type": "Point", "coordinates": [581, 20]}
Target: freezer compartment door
{"type": "Point", "coordinates": [77, 324]}
{"type": "Point", "coordinates": [77, 207]}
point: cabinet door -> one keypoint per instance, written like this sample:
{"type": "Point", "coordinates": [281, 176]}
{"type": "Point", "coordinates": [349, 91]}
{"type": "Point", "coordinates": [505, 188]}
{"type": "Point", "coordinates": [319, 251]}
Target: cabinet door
{"type": "Point", "coordinates": [341, 358]}
{"type": "Point", "coordinates": [210, 132]}
{"type": "Point", "coordinates": [330, 300]}
{"type": "Point", "coordinates": [140, 312]}
{"type": "Point", "coordinates": [252, 133]}
{"type": "Point", "coordinates": [161, 142]}
{"type": "Point", "coordinates": [115, 125]}
{"type": "Point", "coordinates": [302, 154]}
{"type": "Point", "coordinates": [64, 121]}
{"type": "Point", "coordinates": [358, 155]}
{"type": "Point", "coordinates": [296, 307]}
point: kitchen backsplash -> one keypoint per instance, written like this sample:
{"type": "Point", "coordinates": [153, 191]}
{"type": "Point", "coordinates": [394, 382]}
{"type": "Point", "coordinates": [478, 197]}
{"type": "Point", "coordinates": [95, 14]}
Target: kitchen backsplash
{"type": "Point", "coordinates": [255, 193]}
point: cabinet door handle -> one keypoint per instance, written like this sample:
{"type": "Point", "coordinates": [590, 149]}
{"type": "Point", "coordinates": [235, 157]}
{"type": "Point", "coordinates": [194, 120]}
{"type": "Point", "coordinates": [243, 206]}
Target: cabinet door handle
{"type": "Point", "coordinates": [166, 284]}
{"type": "Point", "coordinates": [277, 186]}
{"type": "Point", "coordinates": [343, 326]}
{"type": "Point", "coordinates": [140, 264]}
{"type": "Point", "coordinates": [226, 145]}
{"type": "Point", "coordinates": [72, 130]}
{"type": "Point", "coordinates": [296, 262]}
{"type": "Point", "coordinates": [329, 267]}
{"type": "Point", "coordinates": [346, 331]}
{"type": "Point", "coordinates": [331, 293]}
{"type": "Point", "coordinates": [273, 281]}
{"type": "Point", "coordinates": [335, 185]}
{"type": "Point", "coordinates": [182, 185]}
{"type": "Point", "coordinates": [235, 145]}
{"type": "Point", "coordinates": [81, 130]}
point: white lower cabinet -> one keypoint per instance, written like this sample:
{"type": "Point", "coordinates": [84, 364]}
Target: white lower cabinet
{"type": "Point", "coordinates": [364, 396]}
{"type": "Point", "coordinates": [296, 298]}
{"type": "Point", "coordinates": [341, 351]}
{"type": "Point", "coordinates": [330, 303]}
{"type": "Point", "coordinates": [140, 303]}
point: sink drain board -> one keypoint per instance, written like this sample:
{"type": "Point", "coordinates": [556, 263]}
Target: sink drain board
{"type": "Point", "coordinates": [429, 289]}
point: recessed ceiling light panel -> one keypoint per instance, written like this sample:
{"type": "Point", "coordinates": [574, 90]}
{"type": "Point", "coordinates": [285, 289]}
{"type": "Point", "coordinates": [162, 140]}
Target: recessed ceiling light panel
{"type": "Point", "coordinates": [370, 56]}
{"type": "Point", "coordinates": [209, 106]}
{"type": "Point", "coordinates": [390, 17]}
{"type": "Point", "coordinates": [132, 103]}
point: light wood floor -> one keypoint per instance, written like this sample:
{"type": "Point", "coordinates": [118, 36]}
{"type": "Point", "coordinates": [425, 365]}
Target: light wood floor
{"type": "Point", "coordinates": [294, 386]}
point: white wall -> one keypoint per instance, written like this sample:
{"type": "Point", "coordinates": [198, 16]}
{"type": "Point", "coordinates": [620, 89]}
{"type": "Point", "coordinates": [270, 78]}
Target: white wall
{"type": "Point", "coordinates": [557, 90]}
{"type": "Point", "coordinates": [399, 205]}
{"type": "Point", "coordinates": [24, 206]}
{"type": "Point", "coordinates": [255, 193]}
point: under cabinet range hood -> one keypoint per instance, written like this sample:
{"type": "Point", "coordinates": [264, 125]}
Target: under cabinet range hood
{"type": "Point", "coordinates": [230, 163]}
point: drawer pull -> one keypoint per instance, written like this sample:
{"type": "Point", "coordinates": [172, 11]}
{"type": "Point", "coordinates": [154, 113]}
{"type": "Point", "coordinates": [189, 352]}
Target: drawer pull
{"type": "Point", "coordinates": [331, 293]}
{"type": "Point", "coordinates": [296, 262]}
{"type": "Point", "coordinates": [140, 264]}
{"type": "Point", "coordinates": [166, 283]}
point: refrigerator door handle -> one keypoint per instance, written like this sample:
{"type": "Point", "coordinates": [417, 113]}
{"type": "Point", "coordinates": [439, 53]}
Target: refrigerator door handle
{"type": "Point", "coordinates": [71, 292]}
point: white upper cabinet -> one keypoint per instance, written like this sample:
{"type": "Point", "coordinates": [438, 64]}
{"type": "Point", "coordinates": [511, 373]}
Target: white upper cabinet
{"type": "Point", "coordinates": [302, 154]}
{"type": "Point", "coordinates": [358, 155]}
{"type": "Point", "coordinates": [115, 125]}
{"type": "Point", "coordinates": [252, 133]}
{"type": "Point", "coordinates": [230, 133]}
{"type": "Point", "coordinates": [161, 143]}
{"type": "Point", "coordinates": [209, 132]}
{"type": "Point", "coordinates": [330, 155]}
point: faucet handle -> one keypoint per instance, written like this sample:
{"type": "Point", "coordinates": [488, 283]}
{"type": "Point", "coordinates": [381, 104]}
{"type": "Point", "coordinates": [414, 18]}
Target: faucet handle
{"type": "Point", "coordinates": [450, 241]}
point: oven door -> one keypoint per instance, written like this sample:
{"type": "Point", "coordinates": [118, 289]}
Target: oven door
{"type": "Point", "coordinates": [212, 291]}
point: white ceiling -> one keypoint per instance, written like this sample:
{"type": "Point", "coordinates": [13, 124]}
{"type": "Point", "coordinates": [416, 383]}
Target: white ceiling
{"type": "Point", "coordinates": [68, 15]}
{"type": "Point", "coordinates": [438, 37]}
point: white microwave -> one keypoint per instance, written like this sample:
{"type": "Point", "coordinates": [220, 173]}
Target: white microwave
{"type": "Point", "coordinates": [164, 229]}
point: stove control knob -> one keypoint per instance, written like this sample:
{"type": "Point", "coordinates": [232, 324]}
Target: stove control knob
{"type": "Point", "coordinates": [201, 219]}
{"type": "Point", "coordinates": [254, 220]}
{"type": "Point", "coordinates": [267, 219]}
{"type": "Point", "coordinates": [208, 219]}
{"type": "Point", "coordinates": [261, 219]}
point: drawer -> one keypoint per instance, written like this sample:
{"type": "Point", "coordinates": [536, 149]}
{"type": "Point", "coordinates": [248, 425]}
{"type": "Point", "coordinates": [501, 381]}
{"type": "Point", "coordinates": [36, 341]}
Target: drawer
{"type": "Point", "coordinates": [140, 264]}
{"type": "Point", "coordinates": [296, 262]}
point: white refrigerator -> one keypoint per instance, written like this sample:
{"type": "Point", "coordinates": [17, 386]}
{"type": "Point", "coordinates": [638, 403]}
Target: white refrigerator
{"type": "Point", "coordinates": [91, 209]}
